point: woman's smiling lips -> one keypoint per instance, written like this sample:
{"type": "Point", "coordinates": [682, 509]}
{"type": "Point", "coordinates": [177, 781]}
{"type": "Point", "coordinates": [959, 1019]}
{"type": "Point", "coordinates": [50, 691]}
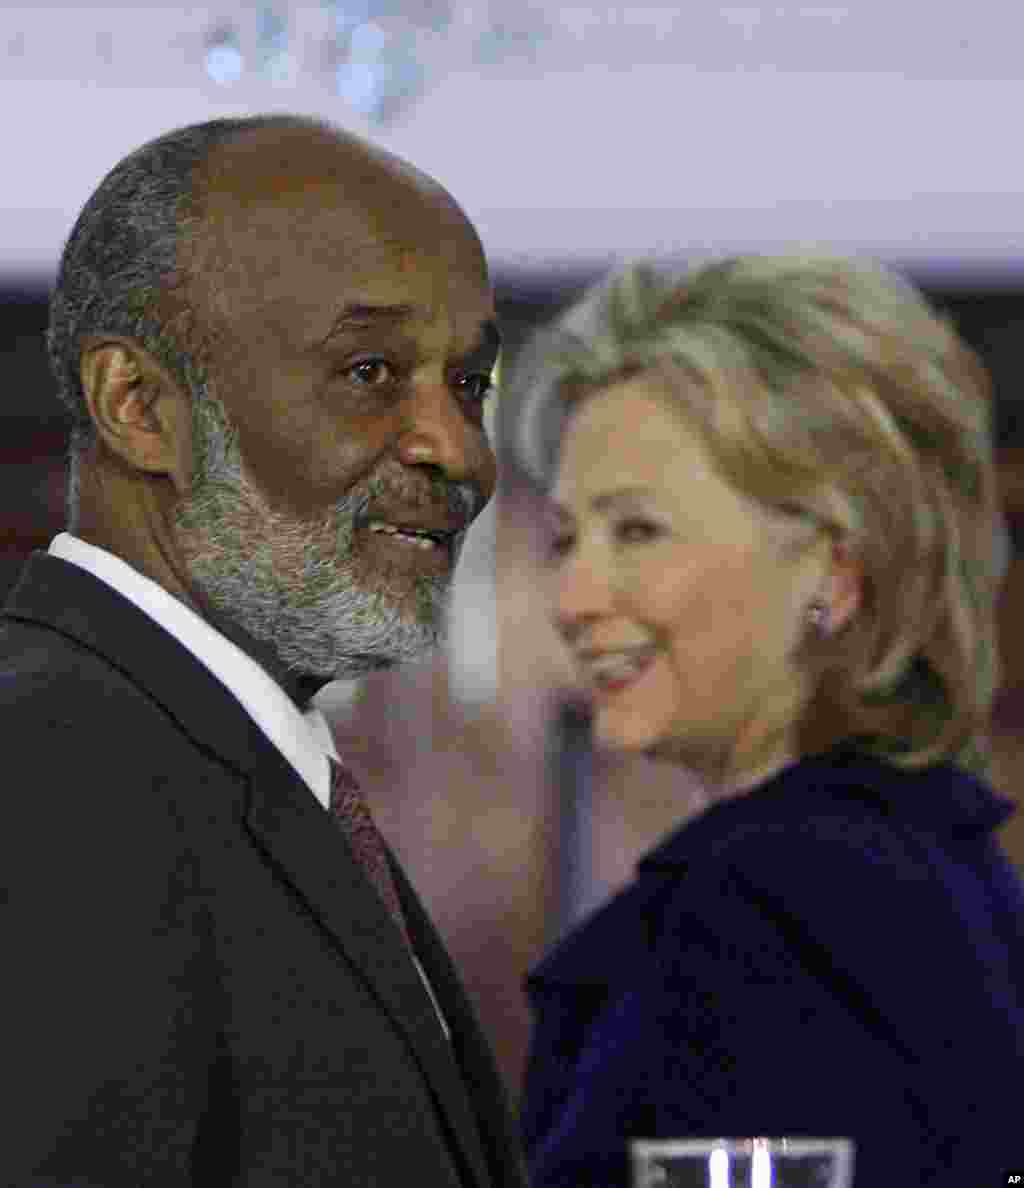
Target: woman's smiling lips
{"type": "Point", "coordinates": [612, 672]}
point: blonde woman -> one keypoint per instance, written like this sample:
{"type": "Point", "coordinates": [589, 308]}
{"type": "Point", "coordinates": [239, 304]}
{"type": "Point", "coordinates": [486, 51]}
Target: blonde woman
{"type": "Point", "coordinates": [773, 560]}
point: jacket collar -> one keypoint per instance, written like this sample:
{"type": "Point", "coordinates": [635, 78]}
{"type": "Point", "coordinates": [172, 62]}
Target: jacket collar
{"type": "Point", "coordinates": [281, 812]}
{"type": "Point", "coordinates": [942, 800]}
{"type": "Point", "coordinates": [57, 594]}
{"type": "Point", "coordinates": [272, 707]}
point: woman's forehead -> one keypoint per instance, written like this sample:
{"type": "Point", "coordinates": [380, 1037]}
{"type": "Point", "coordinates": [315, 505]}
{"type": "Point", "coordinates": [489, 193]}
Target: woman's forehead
{"type": "Point", "coordinates": [628, 435]}
{"type": "Point", "coordinates": [627, 448]}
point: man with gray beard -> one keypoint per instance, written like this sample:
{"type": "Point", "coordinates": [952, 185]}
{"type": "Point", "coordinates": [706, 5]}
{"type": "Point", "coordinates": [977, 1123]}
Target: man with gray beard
{"type": "Point", "coordinates": [274, 341]}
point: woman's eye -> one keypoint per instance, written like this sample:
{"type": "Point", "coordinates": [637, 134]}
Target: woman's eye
{"type": "Point", "coordinates": [636, 530]}
{"type": "Point", "coordinates": [369, 372]}
{"type": "Point", "coordinates": [628, 531]}
{"type": "Point", "coordinates": [559, 544]}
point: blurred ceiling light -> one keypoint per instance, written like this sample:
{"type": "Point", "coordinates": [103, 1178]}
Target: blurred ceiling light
{"type": "Point", "coordinates": [276, 61]}
{"type": "Point", "coordinates": [224, 61]}
{"type": "Point", "coordinates": [383, 72]}
{"type": "Point", "coordinates": [379, 56]}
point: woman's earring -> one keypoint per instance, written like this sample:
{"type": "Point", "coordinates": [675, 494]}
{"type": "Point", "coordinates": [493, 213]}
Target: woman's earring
{"type": "Point", "coordinates": [817, 614]}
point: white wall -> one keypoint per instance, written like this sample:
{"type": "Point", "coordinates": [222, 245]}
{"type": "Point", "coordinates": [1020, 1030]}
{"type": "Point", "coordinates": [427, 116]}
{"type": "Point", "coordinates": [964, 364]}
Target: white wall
{"type": "Point", "coordinates": [887, 128]}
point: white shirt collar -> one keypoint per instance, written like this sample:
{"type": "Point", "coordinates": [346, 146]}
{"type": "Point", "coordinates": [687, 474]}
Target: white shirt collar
{"type": "Point", "coordinates": [304, 739]}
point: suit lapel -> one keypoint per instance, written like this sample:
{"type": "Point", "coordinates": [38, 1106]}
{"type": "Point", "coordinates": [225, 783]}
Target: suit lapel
{"type": "Point", "coordinates": [311, 853]}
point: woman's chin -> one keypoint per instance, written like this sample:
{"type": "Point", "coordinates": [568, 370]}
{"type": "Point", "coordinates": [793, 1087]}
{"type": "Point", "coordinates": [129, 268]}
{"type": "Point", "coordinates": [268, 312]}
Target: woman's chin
{"type": "Point", "coordinates": [619, 735]}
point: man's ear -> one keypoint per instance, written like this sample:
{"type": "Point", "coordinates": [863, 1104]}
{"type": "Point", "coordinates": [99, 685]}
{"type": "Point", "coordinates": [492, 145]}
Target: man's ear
{"type": "Point", "coordinates": [141, 414]}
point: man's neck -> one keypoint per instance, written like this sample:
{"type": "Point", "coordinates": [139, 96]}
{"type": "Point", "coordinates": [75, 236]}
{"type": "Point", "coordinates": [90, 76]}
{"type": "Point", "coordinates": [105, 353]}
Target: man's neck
{"type": "Point", "coordinates": [300, 687]}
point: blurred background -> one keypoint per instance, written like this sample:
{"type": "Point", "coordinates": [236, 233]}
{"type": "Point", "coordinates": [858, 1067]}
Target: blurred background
{"type": "Point", "coordinates": [574, 136]}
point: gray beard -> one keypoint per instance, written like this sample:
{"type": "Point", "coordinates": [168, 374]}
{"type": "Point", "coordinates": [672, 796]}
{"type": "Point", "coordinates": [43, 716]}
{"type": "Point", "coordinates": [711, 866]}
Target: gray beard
{"type": "Point", "coordinates": [296, 585]}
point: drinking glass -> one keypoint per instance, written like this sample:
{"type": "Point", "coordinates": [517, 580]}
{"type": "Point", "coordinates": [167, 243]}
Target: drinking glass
{"type": "Point", "coordinates": [743, 1163]}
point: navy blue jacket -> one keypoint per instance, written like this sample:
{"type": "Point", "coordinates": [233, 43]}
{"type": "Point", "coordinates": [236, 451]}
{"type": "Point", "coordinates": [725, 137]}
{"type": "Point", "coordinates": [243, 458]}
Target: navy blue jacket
{"type": "Point", "coordinates": [838, 952]}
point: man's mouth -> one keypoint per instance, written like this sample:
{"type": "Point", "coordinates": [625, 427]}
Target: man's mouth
{"type": "Point", "coordinates": [418, 536]}
{"type": "Point", "coordinates": [423, 546]}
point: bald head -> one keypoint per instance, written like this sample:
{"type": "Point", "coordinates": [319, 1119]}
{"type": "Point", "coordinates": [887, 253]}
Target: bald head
{"type": "Point", "coordinates": [269, 161]}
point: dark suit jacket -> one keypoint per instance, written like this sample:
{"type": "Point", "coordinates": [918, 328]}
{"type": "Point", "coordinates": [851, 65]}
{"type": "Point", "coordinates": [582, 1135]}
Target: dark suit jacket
{"type": "Point", "coordinates": [838, 953]}
{"type": "Point", "coordinates": [199, 985]}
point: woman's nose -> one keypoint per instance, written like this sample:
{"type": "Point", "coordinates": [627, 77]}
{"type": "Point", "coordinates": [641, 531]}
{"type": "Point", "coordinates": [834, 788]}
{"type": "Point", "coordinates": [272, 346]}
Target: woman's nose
{"type": "Point", "coordinates": [582, 592]}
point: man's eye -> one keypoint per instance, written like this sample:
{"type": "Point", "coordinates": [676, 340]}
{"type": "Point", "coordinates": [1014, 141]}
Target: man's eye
{"type": "Point", "coordinates": [370, 371]}
{"type": "Point", "coordinates": [477, 386]}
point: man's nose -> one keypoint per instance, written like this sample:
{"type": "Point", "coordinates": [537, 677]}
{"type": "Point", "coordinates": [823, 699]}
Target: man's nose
{"type": "Point", "coordinates": [440, 431]}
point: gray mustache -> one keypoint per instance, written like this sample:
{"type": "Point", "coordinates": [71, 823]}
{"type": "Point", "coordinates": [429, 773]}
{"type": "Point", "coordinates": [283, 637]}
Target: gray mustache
{"type": "Point", "coordinates": [462, 500]}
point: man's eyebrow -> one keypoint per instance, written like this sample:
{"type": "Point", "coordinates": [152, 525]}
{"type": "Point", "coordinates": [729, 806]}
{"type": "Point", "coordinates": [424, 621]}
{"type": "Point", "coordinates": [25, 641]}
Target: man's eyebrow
{"type": "Point", "coordinates": [604, 500]}
{"type": "Point", "coordinates": [358, 316]}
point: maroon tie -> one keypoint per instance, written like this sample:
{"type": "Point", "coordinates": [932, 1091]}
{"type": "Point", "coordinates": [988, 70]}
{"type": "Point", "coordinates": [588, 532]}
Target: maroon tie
{"type": "Point", "coordinates": [350, 810]}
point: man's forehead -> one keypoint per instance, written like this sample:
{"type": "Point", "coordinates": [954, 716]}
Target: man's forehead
{"type": "Point", "coordinates": [308, 214]}
{"type": "Point", "coordinates": [294, 167]}
{"type": "Point", "coordinates": [373, 227]}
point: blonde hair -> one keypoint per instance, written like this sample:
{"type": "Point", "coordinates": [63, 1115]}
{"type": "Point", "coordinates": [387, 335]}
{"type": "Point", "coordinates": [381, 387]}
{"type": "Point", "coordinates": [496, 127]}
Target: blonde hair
{"type": "Point", "coordinates": [828, 390]}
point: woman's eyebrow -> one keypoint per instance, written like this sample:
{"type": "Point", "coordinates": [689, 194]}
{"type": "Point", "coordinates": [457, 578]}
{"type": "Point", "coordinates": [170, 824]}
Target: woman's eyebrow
{"type": "Point", "coordinates": [604, 499]}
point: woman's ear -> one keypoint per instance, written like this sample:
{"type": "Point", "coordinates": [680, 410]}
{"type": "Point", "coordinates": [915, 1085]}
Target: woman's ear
{"type": "Point", "coordinates": [844, 595]}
